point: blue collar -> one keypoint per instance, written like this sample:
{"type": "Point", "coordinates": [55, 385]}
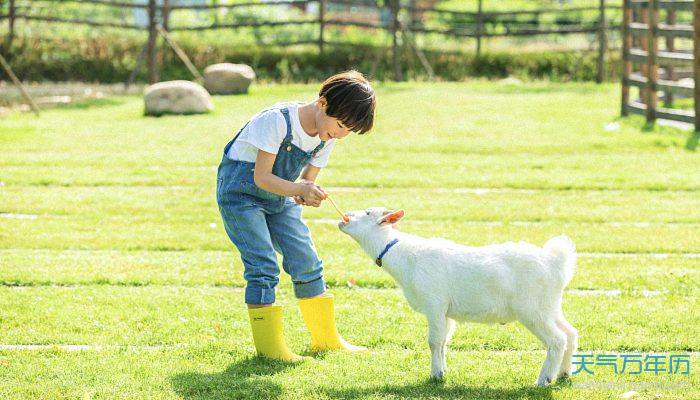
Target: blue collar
{"type": "Point", "coordinates": [378, 261]}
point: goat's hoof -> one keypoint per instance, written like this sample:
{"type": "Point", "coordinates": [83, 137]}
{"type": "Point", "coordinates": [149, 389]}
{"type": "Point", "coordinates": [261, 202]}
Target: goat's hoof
{"type": "Point", "coordinates": [564, 379]}
{"type": "Point", "coordinates": [542, 382]}
{"type": "Point", "coordinates": [438, 376]}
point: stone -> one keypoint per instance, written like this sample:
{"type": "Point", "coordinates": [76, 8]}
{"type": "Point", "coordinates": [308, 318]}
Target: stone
{"type": "Point", "coordinates": [176, 97]}
{"type": "Point", "coordinates": [227, 78]}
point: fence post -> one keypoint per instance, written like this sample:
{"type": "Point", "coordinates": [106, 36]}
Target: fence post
{"type": "Point", "coordinates": [644, 45]}
{"type": "Point", "coordinates": [602, 43]}
{"type": "Point", "coordinates": [2, 3]}
{"type": "Point", "coordinates": [626, 63]}
{"type": "Point", "coordinates": [165, 15]}
{"type": "Point", "coordinates": [398, 75]}
{"type": "Point", "coordinates": [696, 62]}
{"type": "Point", "coordinates": [322, 24]}
{"type": "Point", "coordinates": [18, 83]}
{"type": "Point", "coordinates": [652, 66]}
{"type": "Point", "coordinates": [10, 25]}
{"type": "Point", "coordinates": [670, 46]}
{"type": "Point", "coordinates": [152, 36]}
{"type": "Point", "coordinates": [413, 13]}
{"type": "Point", "coordinates": [163, 21]}
{"type": "Point", "coordinates": [479, 27]}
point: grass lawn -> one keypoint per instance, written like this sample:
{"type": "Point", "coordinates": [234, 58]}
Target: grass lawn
{"type": "Point", "coordinates": [118, 281]}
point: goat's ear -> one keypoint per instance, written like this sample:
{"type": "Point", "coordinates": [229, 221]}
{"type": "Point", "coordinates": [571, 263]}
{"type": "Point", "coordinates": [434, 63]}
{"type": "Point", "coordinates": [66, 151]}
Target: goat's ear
{"type": "Point", "coordinates": [392, 218]}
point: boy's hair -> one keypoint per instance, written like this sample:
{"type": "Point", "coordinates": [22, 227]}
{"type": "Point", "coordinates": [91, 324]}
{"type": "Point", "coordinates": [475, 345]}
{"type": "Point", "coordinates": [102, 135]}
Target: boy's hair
{"type": "Point", "coordinates": [350, 99]}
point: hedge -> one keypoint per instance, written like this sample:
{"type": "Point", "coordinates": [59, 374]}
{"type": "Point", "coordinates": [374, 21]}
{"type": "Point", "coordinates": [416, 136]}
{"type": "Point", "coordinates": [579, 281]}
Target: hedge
{"type": "Point", "coordinates": [111, 58]}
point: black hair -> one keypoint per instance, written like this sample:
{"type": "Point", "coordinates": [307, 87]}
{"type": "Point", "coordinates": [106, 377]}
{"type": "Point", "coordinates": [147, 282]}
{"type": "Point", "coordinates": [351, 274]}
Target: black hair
{"type": "Point", "coordinates": [350, 98]}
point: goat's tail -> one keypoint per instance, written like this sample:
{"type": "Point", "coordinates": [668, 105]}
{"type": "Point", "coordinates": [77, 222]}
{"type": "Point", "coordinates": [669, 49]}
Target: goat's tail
{"type": "Point", "coordinates": [563, 250]}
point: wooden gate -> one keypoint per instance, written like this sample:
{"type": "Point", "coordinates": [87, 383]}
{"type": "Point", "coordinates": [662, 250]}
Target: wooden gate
{"type": "Point", "coordinates": [668, 71]}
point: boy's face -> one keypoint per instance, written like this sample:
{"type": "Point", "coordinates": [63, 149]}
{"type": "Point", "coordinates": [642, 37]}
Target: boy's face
{"type": "Point", "coordinates": [329, 127]}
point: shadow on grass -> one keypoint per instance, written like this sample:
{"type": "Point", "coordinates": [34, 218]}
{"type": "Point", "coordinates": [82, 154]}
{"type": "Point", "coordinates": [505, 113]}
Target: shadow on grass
{"type": "Point", "coordinates": [254, 378]}
{"type": "Point", "coordinates": [651, 127]}
{"type": "Point", "coordinates": [648, 127]}
{"type": "Point", "coordinates": [692, 143]}
{"type": "Point", "coordinates": [84, 104]}
{"type": "Point", "coordinates": [437, 390]}
{"type": "Point", "coordinates": [250, 378]}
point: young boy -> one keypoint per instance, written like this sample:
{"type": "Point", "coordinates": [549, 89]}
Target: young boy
{"type": "Point", "coordinates": [267, 172]}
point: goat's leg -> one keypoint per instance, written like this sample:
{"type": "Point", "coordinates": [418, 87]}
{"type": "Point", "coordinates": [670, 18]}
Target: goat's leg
{"type": "Point", "coordinates": [437, 336]}
{"type": "Point", "coordinates": [555, 341]}
{"type": "Point", "coordinates": [450, 330]}
{"type": "Point", "coordinates": [571, 346]}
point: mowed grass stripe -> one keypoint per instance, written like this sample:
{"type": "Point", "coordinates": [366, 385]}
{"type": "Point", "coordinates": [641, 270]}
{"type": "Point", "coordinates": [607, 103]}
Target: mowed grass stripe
{"type": "Point", "coordinates": [473, 205]}
{"type": "Point", "coordinates": [228, 371]}
{"type": "Point", "coordinates": [172, 315]}
{"type": "Point", "coordinates": [38, 348]}
{"type": "Point", "coordinates": [26, 267]}
{"type": "Point", "coordinates": [543, 172]}
{"type": "Point", "coordinates": [119, 232]}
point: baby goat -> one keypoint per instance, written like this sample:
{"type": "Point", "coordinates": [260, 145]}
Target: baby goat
{"type": "Point", "coordinates": [500, 283]}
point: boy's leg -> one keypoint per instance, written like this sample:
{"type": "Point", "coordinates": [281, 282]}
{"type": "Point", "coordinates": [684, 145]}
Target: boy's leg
{"type": "Point", "coordinates": [246, 227]}
{"type": "Point", "coordinates": [292, 238]}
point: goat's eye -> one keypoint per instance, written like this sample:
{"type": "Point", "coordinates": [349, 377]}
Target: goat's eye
{"type": "Point", "coordinates": [367, 212]}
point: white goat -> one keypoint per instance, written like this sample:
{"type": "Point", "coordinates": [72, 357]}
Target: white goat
{"type": "Point", "coordinates": [500, 283]}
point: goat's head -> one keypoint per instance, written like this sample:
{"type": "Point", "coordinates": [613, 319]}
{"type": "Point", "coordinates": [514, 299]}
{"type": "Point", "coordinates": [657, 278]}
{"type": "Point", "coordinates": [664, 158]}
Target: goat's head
{"type": "Point", "coordinates": [364, 223]}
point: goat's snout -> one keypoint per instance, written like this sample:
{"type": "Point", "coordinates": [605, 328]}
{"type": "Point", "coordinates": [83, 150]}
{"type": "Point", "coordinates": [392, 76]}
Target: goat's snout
{"type": "Point", "coordinates": [343, 224]}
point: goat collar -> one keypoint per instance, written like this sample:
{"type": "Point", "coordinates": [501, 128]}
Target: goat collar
{"type": "Point", "coordinates": [378, 261]}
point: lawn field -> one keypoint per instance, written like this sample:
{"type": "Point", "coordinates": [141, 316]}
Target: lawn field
{"type": "Point", "coordinates": [117, 279]}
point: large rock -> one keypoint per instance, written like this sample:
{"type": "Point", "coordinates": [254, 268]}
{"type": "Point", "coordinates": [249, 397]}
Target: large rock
{"type": "Point", "coordinates": [177, 97]}
{"type": "Point", "coordinates": [227, 78]}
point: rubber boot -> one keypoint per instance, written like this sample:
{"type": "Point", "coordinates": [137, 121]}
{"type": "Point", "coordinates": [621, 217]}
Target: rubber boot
{"type": "Point", "coordinates": [266, 324]}
{"type": "Point", "coordinates": [320, 320]}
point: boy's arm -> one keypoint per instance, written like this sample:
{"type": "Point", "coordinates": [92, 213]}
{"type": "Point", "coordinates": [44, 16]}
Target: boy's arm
{"type": "Point", "coordinates": [310, 173]}
{"type": "Point", "coordinates": [266, 180]}
{"type": "Point", "coordinates": [308, 177]}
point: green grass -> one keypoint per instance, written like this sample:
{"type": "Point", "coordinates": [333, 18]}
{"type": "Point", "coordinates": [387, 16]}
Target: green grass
{"type": "Point", "coordinates": [110, 237]}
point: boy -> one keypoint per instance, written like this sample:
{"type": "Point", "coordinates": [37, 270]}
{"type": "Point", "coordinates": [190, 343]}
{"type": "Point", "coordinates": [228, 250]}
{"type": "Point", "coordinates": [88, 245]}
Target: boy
{"type": "Point", "coordinates": [267, 172]}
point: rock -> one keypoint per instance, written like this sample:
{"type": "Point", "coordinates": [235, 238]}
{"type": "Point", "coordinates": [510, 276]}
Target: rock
{"type": "Point", "coordinates": [176, 97]}
{"type": "Point", "coordinates": [227, 78]}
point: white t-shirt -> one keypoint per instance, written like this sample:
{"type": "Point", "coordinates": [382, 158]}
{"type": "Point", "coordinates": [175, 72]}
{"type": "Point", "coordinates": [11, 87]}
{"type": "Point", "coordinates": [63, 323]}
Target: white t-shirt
{"type": "Point", "coordinates": [267, 129]}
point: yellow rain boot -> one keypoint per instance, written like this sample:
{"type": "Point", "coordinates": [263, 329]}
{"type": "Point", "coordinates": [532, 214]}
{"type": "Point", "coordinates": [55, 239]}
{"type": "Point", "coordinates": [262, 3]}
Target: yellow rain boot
{"type": "Point", "coordinates": [319, 317]}
{"type": "Point", "coordinates": [266, 323]}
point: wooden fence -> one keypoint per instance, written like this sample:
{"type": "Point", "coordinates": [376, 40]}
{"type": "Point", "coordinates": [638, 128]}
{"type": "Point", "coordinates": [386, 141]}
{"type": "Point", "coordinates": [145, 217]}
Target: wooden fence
{"type": "Point", "coordinates": [476, 25]}
{"type": "Point", "coordinates": [669, 70]}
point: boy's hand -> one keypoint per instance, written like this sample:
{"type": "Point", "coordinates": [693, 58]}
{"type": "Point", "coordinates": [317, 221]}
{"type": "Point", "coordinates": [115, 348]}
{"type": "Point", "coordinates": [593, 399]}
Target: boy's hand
{"type": "Point", "coordinates": [299, 200]}
{"type": "Point", "coordinates": [311, 195]}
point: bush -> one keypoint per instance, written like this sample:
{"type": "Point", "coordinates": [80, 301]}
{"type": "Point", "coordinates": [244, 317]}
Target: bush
{"type": "Point", "coordinates": [110, 58]}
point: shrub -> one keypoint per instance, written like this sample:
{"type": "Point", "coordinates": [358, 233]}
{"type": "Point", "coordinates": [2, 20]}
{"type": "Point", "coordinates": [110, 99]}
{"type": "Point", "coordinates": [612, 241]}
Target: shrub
{"type": "Point", "coordinates": [110, 58]}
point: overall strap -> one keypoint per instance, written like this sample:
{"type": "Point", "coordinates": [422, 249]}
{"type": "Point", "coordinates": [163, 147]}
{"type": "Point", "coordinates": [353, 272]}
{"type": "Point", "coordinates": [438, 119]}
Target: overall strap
{"type": "Point", "coordinates": [288, 136]}
{"type": "Point", "coordinates": [240, 131]}
{"type": "Point", "coordinates": [317, 149]}
{"type": "Point", "coordinates": [228, 146]}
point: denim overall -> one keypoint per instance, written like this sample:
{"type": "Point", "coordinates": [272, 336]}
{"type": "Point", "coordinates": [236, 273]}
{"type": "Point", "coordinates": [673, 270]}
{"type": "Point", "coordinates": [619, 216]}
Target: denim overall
{"type": "Point", "coordinates": [259, 223]}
